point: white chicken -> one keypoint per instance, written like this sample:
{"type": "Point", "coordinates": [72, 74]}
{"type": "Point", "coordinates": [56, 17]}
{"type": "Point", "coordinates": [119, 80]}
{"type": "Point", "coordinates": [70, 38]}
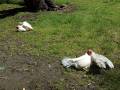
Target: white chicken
{"type": "Point", "coordinates": [87, 60]}
{"type": "Point", "coordinates": [24, 26]}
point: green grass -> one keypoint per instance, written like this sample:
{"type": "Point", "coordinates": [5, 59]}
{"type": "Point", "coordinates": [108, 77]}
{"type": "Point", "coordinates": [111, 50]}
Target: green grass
{"type": "Point", "coordinates": [93, 24]}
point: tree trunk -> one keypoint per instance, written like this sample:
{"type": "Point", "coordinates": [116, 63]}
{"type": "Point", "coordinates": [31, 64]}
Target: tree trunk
{"type": "Point", "coordinates": [34, 5]}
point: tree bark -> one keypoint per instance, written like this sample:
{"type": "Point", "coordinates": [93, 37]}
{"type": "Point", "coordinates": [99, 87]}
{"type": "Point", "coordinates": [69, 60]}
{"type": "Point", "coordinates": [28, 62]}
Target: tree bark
{"type": "Point", "coordinates": [34, 5]}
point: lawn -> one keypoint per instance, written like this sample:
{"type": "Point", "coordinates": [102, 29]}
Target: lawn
{"type": "Point", "coordinates": [91, 24]}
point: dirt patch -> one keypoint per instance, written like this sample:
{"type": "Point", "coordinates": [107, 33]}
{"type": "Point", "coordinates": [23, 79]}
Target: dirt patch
{"type": "Point", "coordinates": [25, 71]}
{"type": "Point", "coordinates": [29, 16]}
{"type": "Point", "coordinates": [67, 8]}
{"type": "Point", "coordinates": [35, 73]}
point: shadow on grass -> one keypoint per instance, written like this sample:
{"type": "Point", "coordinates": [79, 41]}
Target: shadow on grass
{"type": "Point", "coordinates": [94, 69]}
{"type": "Point", "coordinates": [11, 12]}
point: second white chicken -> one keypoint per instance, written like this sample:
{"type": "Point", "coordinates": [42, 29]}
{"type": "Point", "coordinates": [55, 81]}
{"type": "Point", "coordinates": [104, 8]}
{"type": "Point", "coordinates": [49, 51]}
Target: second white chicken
{"type": "Point", "coordinates": [24, 26]}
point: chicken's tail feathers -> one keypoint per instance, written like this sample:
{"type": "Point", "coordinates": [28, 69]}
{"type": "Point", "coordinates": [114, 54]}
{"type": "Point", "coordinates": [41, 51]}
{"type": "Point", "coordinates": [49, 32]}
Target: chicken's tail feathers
{"type": "Point", "coordinates": [66, 62]}
{"type": "Point", "coordinates": [110, 64]}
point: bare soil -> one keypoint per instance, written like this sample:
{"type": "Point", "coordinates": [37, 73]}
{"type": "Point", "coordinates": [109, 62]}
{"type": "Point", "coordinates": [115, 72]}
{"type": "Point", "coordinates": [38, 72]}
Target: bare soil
{"type": "Point", "coordinates": [67, 8]}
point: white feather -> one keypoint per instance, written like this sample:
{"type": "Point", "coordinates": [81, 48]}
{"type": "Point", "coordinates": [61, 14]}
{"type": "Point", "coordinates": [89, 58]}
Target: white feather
{"type": "Point", "coordinates": [27, 25]}
{"type": "Point", "coordinates": [80, 62]}
{"type": "Point", "coordinates": [102, 61]}
{"type": "Point", "coordinates": [67, 62]}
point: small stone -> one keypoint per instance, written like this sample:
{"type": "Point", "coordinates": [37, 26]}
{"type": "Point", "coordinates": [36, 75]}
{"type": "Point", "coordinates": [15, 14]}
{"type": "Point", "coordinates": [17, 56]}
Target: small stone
{"type": "Point", "coordinates": [49, 66]}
